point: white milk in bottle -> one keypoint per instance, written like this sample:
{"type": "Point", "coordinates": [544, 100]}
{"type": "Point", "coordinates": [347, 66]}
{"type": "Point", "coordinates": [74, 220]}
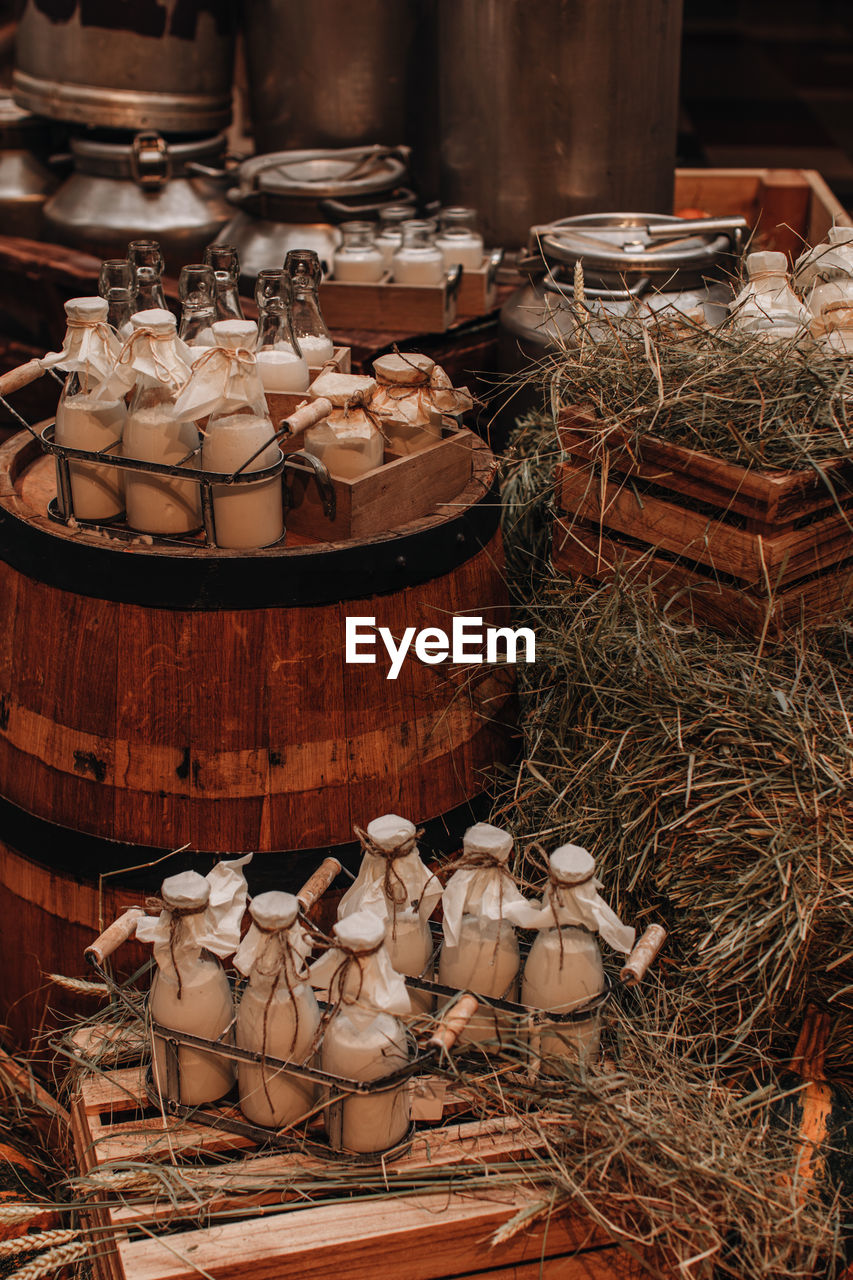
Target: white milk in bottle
{"type": "Point", "coordinates": [190, 992]}
{"type": "Point", "coordinates": [564, 970]}
{"type": "Point", "coordinates": [278, 1015]}
{"type": "Point", "coordinates": [480, 948]}
{"type": "Point", "coordinates": [364, 1039]}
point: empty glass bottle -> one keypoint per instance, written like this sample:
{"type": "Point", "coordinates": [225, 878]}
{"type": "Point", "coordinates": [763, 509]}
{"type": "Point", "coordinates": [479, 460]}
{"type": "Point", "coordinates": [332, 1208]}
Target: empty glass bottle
{"type": "Point", "coordinates": [225, 263]}
{"type": "Point", "coordinates": [309, 327]}
{"type": "Point", "coordinates": [147, 262]}
{"type": "Point", "coordinates": [117, 284]}
{"type": "Point", "coordinates": [197, 291]}
{"type": "Point", "coordinates": [281, 364]}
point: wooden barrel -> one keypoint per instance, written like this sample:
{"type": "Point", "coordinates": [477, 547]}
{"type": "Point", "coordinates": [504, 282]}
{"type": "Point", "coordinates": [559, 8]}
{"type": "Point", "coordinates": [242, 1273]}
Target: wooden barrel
{"type": "Point", "coordinates": [153, 698]}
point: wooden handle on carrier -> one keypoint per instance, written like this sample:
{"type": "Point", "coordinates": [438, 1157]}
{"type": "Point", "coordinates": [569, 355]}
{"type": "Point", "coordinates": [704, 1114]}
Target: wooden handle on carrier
{"type": "Point", "coordinates": [454, 1023]}
{"type": "Point", "coordinates": [113, 936]}
{"type": "Point", "coordinates": [317, 885]}
{"type": "Point", "coordinates": [640, 959]}
{"type": "Point", "coordinates": [20, 377]}
{"type": "Point", "coordinates": [308, 415]}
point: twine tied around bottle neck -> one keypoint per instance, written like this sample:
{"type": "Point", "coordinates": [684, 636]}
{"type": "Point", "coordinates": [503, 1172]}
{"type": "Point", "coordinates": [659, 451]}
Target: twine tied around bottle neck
{"type": "Point", "coordinates": [390, 874]}
{"type": "Point", "coordinates": [176, 924]}
{"type": "Point", "coordinates": [125, 356]}
{"type": "Point", "coordinates": [359, 402]}
{"type": "Point", "coordinates": [100, 327]}
{"type": "Point", "coordinates": [279, 972]}
{"type": "Point", "coordinates": [554, 891]}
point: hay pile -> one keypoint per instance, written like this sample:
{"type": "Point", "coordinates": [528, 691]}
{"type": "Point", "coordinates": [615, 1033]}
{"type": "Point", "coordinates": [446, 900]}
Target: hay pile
{"type": "Point", "coordinates": [711, 776]}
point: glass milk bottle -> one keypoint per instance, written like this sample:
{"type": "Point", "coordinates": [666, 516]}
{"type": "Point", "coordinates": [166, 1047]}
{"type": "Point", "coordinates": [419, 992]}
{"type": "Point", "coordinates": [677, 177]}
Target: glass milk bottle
{"type": "Point", "coordinates": [239, 426]}
{"type": "Point", "coordinates": [480, 948]}
{"type": "Point", "coordinates": [418, 260]}
{"type": "Point", "coordinates": [117, 284]}
{"type": "Point", "coordinates": [224, 261]}
{"type": "Point", "coordinates": [458, 239]}
{"type": "Point", "coordinates": [309, 327]}
{"type": "Point", "coordinates": [147, 262]}
{"type": "Point", "coordinates": [278, 1015]}
{"type": "Point", "coordinates": [158, 504]}
{"type": "Point", "coordinates": [395, 885]}
{"type": "Point", "coordinates": [563, 970]}
{"type": "Point", "coordinates": [358, 258]}
{"type": "Point", "coordinates": [197, 291]}
{"type": "Point", "coordinates": [90, 414]}
{"type": "Point", "coordinates": [389, 237]}
{"type": "Point", "coordinates": [281, 364]}
{"type": "Point", "coordinates": [190, 991]}
{"type": "Point", "coordinates": [364, 1038]}
{"type": "Point", "coordinates": [768, 305]}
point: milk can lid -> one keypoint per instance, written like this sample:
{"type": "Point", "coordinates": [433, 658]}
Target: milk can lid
{"type": "Point", "coordinates": [91, 309]}
{"type": "Point", "coordinates": [187, 891]}
{"type": "Point", "coordinates": [362, 931]}
{"type": "Point", "coordinates": [484, 838]}
{"type": "Point", "coordinates": [274, 910]}
{"type": "Point", "coordinates": [571, 864]}
{"type": "Point", "coordinates": [390, 831]}
{"type": "Point", "coordinates": [409, 366]}
{"type": "Point", "coordinates": [156, 318]}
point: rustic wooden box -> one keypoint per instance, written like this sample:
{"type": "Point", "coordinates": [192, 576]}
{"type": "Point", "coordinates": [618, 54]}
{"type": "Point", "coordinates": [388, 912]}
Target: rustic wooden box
{"type": "Point", "coordinates": [404, 488]}
{"type": "Point", "coordinates": [478, 290]}
{"type": "Point", "coordinates": [282, 406]}
{"type": "Point", "coordinates": [408, 1233]}
{"type": "Point", "coordinates": [386, 306]}
{"type": "Point", "coordinates": [744, 548]}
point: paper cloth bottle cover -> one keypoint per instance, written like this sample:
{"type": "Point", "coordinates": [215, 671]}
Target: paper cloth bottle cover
{"type": "Point", "coordinates": [342, 387]}
{"type": "Point", "coordinates": [361, 931]}
{"type": "Point", "coordinates": [274, 910]}
{"type": "Point", "coordinates": [390, 831]}
{"type": "Point", "coordinates": [484, 838]}
{"type": "Point", "coordinates": [157, 319]}
{"type": "Point", "coordinates": [187, 891]}
{"type": "Point", "coordinates": [235, 333]}
{"type": "Point", "coordinates": [404, 368]}
{"type": "Point", "coordinates": [91, 309]}
{"type": "Point", "coordinates": [571, 864]}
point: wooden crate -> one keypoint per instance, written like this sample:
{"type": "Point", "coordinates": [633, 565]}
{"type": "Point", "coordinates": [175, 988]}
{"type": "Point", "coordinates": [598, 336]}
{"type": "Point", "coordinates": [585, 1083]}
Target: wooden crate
{"type": "Point", "coordinates": [787, 207]}
{"type": "Point", "coordinates": [278, 1234]}
{"type": "Point", "coordinates": [478, 289]}
{"type": "Point", "coordinates": [740, 547]}
{"type": "Point", "coordinates": [406, 487]}
{"type": "Point", "coordinates": [415, 308]}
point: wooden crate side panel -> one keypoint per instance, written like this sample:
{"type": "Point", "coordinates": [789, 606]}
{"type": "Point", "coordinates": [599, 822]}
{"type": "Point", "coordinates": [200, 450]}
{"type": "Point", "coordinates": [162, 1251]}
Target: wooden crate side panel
{"type": "Point", "coordinates": [419, 1237]}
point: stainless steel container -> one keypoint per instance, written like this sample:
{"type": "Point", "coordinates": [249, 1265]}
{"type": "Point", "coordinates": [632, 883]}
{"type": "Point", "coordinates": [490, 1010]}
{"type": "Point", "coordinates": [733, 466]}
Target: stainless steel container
{"type": "Point", "coordinates": [557, 107]}
{"type": "Point", "coordinates": [144, 189]}
{"type": "Point", "coordinates": [633, 264]}
{"type": "Point", "coordinates": [127, 65]}
{"type": "Point", "coordinates": [25, 180]}
{"type": "Point", "coordinates": [295, 199]}
{"type": "Point", "coordinates": [326, 74]}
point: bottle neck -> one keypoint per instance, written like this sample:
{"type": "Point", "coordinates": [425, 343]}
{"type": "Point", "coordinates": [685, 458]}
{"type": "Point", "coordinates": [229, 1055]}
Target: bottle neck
{"type": "Point", "coordinates": [275, 329]}
{"type": "Point", "coordinates": [307, 318]}
{"type": "Point", "coordinates": [196, 323]}
{"type": "Point", "coordinates": [228, 305]}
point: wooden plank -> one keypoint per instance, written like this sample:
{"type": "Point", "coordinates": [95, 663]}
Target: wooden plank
{"type": "Point", "coordinates": [419, 1237]}
{"type": "Point", "coordinates": [607, 1263]}
{"type": "Point", "coordinates": [477, 291]}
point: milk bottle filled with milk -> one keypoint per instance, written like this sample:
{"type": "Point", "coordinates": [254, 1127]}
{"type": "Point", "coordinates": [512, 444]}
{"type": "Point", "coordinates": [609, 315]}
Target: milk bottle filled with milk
{"type": "Point", "coordinates": [278, 1015]}
{"type": "Point", "coordinates": [395, 885]}
{"type": "Point", "coordinates": [563, 970]}
{"type": "Point", "coordinates": [281, 364]}
{"type": "Point", "coordinates": [364, 1038]}
{"type": "Point", "coordinates": [225, 384]}
{"type": "Point", "coordinates": [117, 284]}
{"type": "Point", "coordinates": [197, 291]}
{"type": "Point", "coordinates": [389, 236]}
{"type": "Point", "coordinates": [91, 413]}
{"type": "Point", "coordinates": [458, 239]}
{"type": "Point", "coordinates": [198, 926]}
{"type": "Point", "coordinates": [224, 261]}
{"type": "Point", "coordinates": [418, 259]}
{"type": "Point", "coordinates": [147, 262]}
{"type": "Point", "coordinates": [152, 360]}
{"type": "Point", "coordinates": [358, 258]}
{"type": "Point", "coordinates": [480, 948]}
{"type": "Point", "coordinates": [309, 327]}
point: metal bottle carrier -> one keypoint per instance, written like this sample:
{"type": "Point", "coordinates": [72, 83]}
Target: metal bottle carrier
{"type": "Point", "coordinates": [459, 1009]}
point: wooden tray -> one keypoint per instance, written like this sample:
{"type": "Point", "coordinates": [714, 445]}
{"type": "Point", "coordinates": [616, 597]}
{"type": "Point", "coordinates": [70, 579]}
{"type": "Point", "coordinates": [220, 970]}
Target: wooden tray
{"type": "Point", "coordinates": [747, 540]}
{"type": "Point", "coordinates": [404, 488]}
{"type": "Point", "coordinates": [416, 1235]}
